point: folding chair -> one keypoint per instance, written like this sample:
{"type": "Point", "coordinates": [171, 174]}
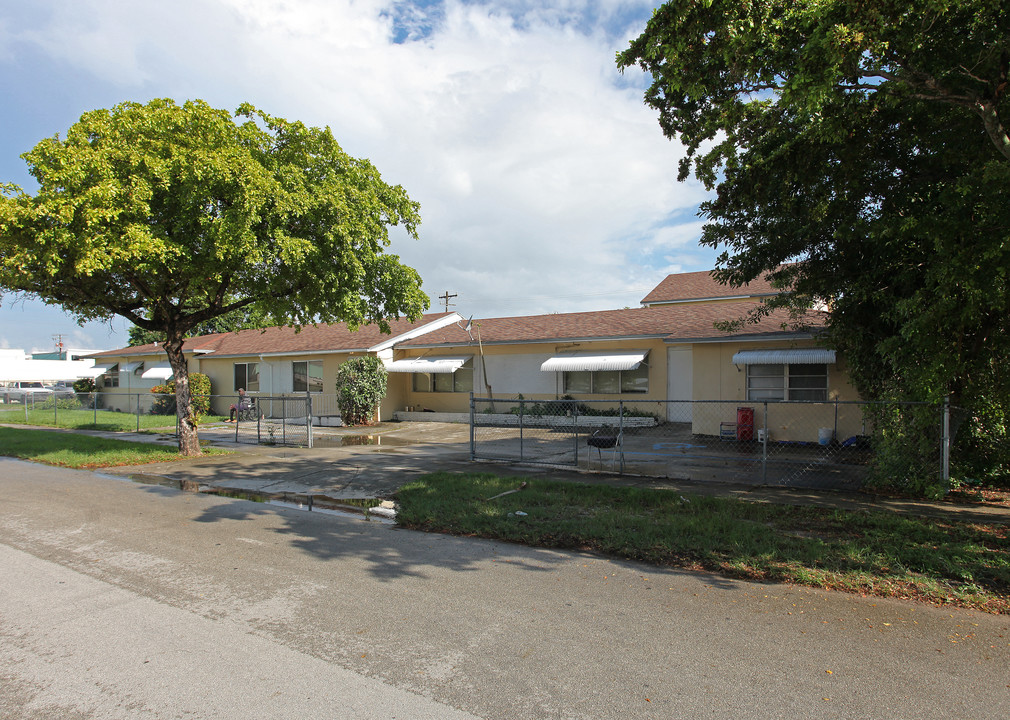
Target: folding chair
{"type": "Point", "coordinates": [607, 438]}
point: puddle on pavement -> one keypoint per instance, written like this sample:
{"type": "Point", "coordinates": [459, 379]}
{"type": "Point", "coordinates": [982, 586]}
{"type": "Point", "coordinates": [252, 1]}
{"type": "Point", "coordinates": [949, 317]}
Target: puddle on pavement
{"type": "Point", "coordinates": [321, 440]}
{"type": "Point", "coordinates": [160, 480]}
{"type": "Point", "coordinates": [309, 503]}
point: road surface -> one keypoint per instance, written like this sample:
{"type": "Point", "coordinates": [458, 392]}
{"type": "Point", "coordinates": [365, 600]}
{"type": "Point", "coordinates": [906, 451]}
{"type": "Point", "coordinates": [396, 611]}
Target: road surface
{"type": "Point", "coordinates": [120, 600]}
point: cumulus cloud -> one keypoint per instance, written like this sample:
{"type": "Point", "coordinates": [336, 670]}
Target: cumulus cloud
{"type": "Point", "coordinates": [545, 183]}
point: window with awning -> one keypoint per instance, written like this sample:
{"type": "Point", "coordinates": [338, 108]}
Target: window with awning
{"type": "Point", "coordinates": [787, 356]}
{"type": "Point", "coordinates": [614, 360]}
{"type": "Point", "coordinates": [96, 371]}
{"type": "Point", "coordinates": [434, 365]}
{"type": "Point", "coordinates": [160, 371]}
{"type": "Point", "coordinates": [439, 373]}
{"type": "Point", "coordinates": [614, 372]}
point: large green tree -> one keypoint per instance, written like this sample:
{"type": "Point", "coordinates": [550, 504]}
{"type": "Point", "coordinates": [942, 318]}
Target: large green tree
{"type": "Point", "coordinates": [173, 215]}
{"type": "Point", "coordinates": [245, 318]}
{"type": "Point", "coordinates": [859, 154]}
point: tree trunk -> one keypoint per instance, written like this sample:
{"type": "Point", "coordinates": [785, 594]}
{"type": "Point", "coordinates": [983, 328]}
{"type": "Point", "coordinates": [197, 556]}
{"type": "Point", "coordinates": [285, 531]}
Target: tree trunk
{"type": "Point", "coordinates": [189, 441]}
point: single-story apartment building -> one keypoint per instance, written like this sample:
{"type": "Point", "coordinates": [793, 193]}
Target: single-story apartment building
{"type": "Point", "coordinates": [660, 358]}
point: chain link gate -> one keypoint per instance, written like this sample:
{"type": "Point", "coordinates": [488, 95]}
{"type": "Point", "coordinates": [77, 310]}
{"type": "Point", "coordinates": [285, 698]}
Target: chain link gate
{"type": "Point", "coordinates": [503, 429]}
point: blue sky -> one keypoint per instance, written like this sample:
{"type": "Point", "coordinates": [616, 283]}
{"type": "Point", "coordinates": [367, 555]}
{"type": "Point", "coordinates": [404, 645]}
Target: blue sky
{"type": "Point", "coordinates": [545, 183]}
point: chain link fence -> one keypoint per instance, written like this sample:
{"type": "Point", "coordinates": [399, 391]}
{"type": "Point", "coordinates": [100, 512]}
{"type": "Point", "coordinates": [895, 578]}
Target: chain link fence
{"type": "Point", "coordinates": [791, 444]}
{"type": "Point", "coordinates": [298, 419]}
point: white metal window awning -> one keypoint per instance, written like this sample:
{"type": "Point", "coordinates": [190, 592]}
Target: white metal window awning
{"type": "Point", "coordinates": [161, 371]}
{"type": "Point", "coordinates": [428, 364]}
{"type": "Point", "coordinates": [793, 356]}
{"type": "Point", "coordinates": [133, 366]}
{"type": "Point", "coordinates": [96, 370]}
{"type": "Point", "coordinates": [608, 360]}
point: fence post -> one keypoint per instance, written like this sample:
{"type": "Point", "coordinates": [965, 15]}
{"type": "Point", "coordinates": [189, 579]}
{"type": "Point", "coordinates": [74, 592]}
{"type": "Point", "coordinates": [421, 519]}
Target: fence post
{"type": "Point", "coordinates": [308, 417]}
{"type": "Point", "coordinates": [94, 407]}
{"type": "Point", "coordinates": [56, 412]}
{"type": "Point", "coordinates": [473, 418]}
{"type": "Point", "coordinates": [620, 432]}
{"type": "Point", "coordinates": [764, 443]}
{"type": "Point", "coordinates": [522, 408]}
{"type": "Point", "coordinates": [945, 448]}
{"type": "Point", "coordinates": [575, 430]}
{"type": "Point", "coordinates": [284, 421]}
{"type": "Point", "coordinates": [138, 412]}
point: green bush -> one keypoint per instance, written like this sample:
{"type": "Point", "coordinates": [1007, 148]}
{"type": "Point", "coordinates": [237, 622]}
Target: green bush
{"type": "Point", "coordinates": [60, 403]}
{"type": "Point", "coordinates": [84, 385]}
{"type": "Point", "coordinates": [567, 405]}
{"type": "Point", "coordinates": [361, 385]}
{"type": "Point", "coordinates": [199, 391]}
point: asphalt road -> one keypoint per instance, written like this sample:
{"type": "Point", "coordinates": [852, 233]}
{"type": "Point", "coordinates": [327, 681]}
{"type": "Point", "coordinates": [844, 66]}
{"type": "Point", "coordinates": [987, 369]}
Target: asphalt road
{"type": "Point", "coordinates": [120, 600]}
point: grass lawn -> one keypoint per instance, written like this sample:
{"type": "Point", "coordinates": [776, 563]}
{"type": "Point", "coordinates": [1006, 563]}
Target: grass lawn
{"type": "Point", "coordinates": [873, 553]}
{"type": "Point", "coordinates": [90, 420]}
{"type": "Point", "coordinates": [83, 451]}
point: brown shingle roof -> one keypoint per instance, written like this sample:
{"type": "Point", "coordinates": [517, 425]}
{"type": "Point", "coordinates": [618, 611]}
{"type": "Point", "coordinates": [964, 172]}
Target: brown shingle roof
{"type": "Point", "coordinates": [285, 340]}
{"type": "Point", "coordinates": [682, 322]}
{"type": "Point", "coordinates": [683, 287]}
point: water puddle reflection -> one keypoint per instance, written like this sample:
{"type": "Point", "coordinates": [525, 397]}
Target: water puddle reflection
{"type": "Point", "coordinates": [356, 508]}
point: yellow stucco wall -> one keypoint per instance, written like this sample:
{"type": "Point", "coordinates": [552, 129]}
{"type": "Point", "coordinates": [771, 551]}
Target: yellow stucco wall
{"type": "Point", "coordinates": [717, 378]}
{"type": "Point", "coordinates": [515, 369]}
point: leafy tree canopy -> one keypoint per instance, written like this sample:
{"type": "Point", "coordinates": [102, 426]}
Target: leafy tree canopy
{"type": "Point", "coordinates": [246, 318]}
{"type": "Point", "coordinates": [171, 216]}
{"type": "Point", "coordinates": [859, 155]}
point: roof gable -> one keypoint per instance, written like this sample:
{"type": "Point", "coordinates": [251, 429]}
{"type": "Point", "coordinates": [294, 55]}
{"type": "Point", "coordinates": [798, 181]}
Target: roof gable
{"type": "Point", "coordinates": [287, 340]}
{"type": "Point", "coordinates": [702, 286]}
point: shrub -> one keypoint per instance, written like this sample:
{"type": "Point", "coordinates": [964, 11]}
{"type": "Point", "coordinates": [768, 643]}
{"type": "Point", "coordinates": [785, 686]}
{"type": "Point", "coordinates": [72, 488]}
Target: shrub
{"type": "Point", "coordinates": [568, 405]}
{"type": "Point", "coordinates": [361, 385]}
{"type": "Point", "coordinates": [84, 385]}
{"type": "Point", "coordinates": [87, 393]}
{"type": "Point", "coordinates": [199, 390]}
{"type": "Point", "coordinates": [60, 403]}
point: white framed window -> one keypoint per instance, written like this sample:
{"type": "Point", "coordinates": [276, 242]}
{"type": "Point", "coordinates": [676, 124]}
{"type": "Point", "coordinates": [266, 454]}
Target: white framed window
{"type": "Point", "coordinates": [112, 377]}
{"type": "Point", "coordinates": [307, 376]}
{"type": "Point", "coordinates": [247, 375]}
{"type": "Point", "coordinates": [787, 382]}
{"type": "Point", "coordinates": [607, 382]}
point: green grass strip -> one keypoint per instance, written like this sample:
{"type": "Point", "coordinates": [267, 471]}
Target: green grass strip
{"type": "Point", "coordinates": [83, 419]}
{"type": "Point", "coordinates": [878, 553]}
{"type": "Point", "coordinates": [68, 449]}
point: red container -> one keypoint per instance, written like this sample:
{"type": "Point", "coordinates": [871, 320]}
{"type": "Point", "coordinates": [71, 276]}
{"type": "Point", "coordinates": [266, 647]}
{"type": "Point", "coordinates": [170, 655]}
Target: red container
{"type": "Point", "coordinates": [745, 423]}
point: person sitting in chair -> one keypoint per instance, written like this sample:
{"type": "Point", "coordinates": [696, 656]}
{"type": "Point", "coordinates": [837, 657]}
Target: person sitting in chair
{"type": "Point", "coordinates": [244, 403]}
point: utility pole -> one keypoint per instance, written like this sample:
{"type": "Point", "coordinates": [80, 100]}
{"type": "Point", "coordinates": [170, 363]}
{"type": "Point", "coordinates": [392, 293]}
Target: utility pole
{"type": "Point", "coordinates": [58, 339]}
{"type": "Point", "coordinates": [445, 298]}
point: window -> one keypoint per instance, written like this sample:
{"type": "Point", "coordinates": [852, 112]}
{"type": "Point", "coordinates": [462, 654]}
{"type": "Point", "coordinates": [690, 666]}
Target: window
{"type": "Point", "coordinates": [607, 382]}
{"type": "Point", "coordinates": [247, 375]}
{"type": "Point", "coordinates": [459, 381]}
{"type": "Point", "coordinates": [307, 376]}
{"type": "Point", "coordinates": [112, 376]}
{"type": "Point", "coordinates": [787, 382]}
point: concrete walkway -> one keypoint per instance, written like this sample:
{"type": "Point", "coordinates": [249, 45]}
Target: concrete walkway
{"type": "Point", "coordinates": [374, 462]}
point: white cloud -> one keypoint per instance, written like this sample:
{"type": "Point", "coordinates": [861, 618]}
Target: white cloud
{"type": "Point", "coordinates": [540, 171]}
